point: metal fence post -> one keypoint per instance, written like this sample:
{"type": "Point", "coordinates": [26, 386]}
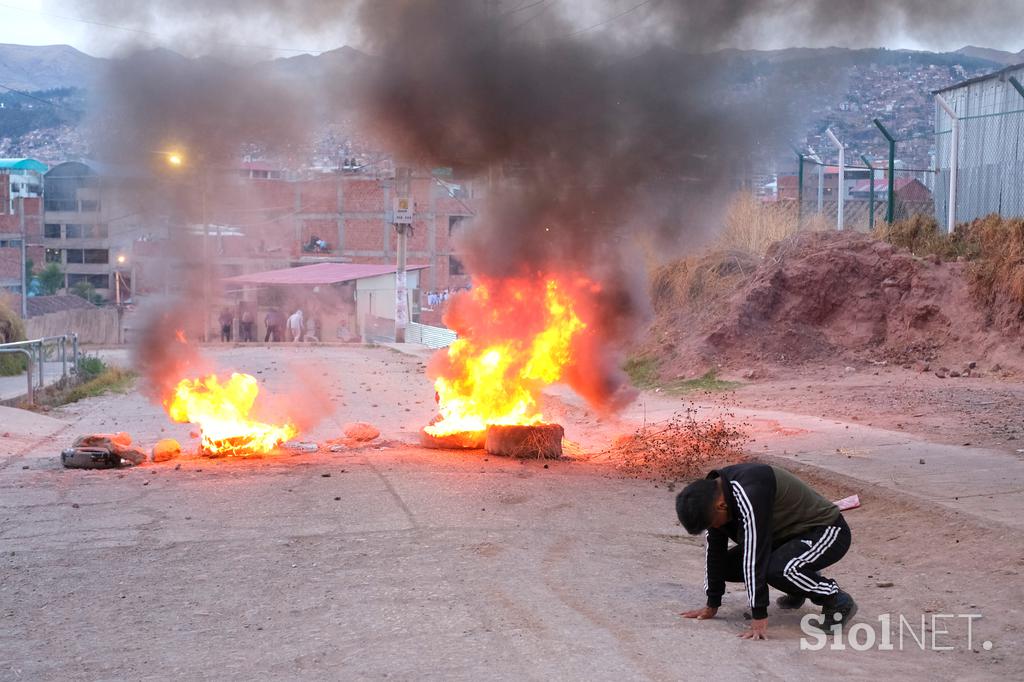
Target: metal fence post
{"type": "Point", "coordinates": [871, 193]}
{"type": "Point", "coordinates": [28, 358]}
{"type": "Point", "coordinates": [1017, 86]}
{"type": "Point", "coordinates": [954, 153]}
{"type": "Point", "coordinates": [42, 360]}
{"type": "Point", "coordinates": [890, 208]}
{"type": "Point", "coordinates": [799, 190]}
{"type": "Point", "coordinates": [841, 182]}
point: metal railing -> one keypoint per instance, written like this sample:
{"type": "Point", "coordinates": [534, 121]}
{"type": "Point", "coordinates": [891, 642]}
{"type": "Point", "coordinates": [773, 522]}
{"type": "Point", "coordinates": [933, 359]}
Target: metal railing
{"type": "Point", "coordinates": [43, 350]}
{"type": "Point", "coordinates": [28, 357]}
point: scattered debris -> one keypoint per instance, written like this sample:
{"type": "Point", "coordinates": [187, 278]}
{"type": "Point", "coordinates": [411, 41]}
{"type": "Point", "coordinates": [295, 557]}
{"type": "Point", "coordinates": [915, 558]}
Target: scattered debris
{"type": "Point", "coordinates": [883, 584]}
{"type": "Point", "coordinates": [166, 449]}
{"type": "Point", "coordinates": [361, 431]}
{"type": "Point", "coordinates": [679, 448]}
{"type": "Point", "coordinates": [102, 451]}
{"type": "Point", "coordinates": [301, 446]}
{"type": "Point", "coordinates": [851, 502]}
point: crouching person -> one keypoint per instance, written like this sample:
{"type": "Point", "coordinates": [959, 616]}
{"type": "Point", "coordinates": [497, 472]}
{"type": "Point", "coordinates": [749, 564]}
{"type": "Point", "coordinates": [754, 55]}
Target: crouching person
{"type": "Point", "coordinates": [785, 533]}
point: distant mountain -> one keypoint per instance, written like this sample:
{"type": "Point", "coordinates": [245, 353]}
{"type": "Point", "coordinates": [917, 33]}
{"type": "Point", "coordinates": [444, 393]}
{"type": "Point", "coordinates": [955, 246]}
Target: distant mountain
{"type": "Point", "coordinates": [45, 67]}
{"type": "Point", "coordinates": [999, 56]}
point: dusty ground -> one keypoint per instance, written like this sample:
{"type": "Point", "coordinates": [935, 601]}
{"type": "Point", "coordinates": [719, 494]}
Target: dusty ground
{"type": "Point", "coordinates": [985, 411]}
{"type": "Point", "coordinates": [394, 561]}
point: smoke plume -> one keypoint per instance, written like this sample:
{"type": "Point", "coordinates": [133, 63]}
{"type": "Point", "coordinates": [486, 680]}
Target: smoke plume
{"type": "Point", "coordinates": [592, 126]}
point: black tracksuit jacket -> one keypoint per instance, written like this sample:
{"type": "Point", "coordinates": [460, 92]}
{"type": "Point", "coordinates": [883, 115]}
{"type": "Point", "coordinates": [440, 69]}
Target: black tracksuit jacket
{"type": "Point", "coordinates": [750, 495]}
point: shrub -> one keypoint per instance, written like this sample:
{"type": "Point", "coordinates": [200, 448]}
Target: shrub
{"type": "Point", "coordinates": [90, 366]}
{"type": "Point", "coordinates": [11, 329]}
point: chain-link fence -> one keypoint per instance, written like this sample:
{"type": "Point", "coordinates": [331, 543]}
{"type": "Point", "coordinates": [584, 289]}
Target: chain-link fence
{"type": "Point", "coordinates": [989, 162]}
{"type": "Point", "coordinates": [979, 131]}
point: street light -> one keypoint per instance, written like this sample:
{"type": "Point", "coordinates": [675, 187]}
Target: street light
{"type": "Point", "coordinates": [176, 159]}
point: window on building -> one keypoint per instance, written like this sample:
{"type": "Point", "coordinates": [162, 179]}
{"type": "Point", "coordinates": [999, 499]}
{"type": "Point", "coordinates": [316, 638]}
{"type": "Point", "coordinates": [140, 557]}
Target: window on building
{"type": "Point", "coordinates": [455, 266]}
{"type": "Point", "coordinates": [75, 255]}
{"type": "Point", "coordinates": [61, 205]}
{"type": "Point", "coordinates": [99, 231]}
{"type": "Point", "coordinates": [97, 256]}
{"type": "Point", "coordinates": [10, 243]}
{"type": "Point", "coordinates": [97, 281]}
{"type": "Point", "coordinates": [89, 205]}
{"type": "Point", "coordinates": [53, 256]}
{"type": "Point", "coordinates": [455, 224]}
{"type": "Point", "coordinates": [52, 231]}
{"type": "Point", "coordinates": [73, 231]}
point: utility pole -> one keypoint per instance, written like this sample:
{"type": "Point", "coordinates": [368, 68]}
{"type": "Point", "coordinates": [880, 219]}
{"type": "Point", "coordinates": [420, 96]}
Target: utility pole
{"type": "Point", "coordinates": [24, 258]}
{"type": "Point", "coordinates": [402, 218]}
{"type": "Point", "coordinates": [206, 258]}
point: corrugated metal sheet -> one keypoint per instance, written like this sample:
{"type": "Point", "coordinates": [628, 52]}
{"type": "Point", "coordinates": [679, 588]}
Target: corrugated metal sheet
{"type": "Point", "coordinates": [990, 170]}
{"type": "Point", "coordinates": [318, 274]}
{"type": "Point", "coordinates": [431, 337]}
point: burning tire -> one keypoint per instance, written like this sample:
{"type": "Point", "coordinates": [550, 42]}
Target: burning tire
{"type": "Point", "coordinates": [463, 440]}
{"type": "Point", "coordinates": [540, 441]}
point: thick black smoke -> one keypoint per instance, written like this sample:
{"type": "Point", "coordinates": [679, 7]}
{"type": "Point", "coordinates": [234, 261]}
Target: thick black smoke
{"type": "Point", "coordinates": [588, 136]}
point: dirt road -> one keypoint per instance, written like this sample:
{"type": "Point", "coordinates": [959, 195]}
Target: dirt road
{"type": "Point", "coordinates": [394, 561]}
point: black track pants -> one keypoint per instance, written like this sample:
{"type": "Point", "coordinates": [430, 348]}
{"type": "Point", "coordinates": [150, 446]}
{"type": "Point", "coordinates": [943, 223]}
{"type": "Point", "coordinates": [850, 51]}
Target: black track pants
{"type": "Point", "coordinates": [794, 565]}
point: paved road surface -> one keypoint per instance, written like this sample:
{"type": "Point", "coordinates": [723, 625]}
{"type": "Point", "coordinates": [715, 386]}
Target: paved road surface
{"type": "Point", "coordinates": [406, 563]}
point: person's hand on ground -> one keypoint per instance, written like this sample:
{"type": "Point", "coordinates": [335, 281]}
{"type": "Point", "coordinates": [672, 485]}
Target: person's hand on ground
{"type": "Point", "coordinates": [758, 630]}
{"type": "Point", "coordinates": [701, 613]}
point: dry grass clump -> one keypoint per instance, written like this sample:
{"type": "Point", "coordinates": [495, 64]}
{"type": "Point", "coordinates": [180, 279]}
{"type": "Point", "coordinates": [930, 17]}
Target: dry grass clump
{"type": "Point", "coordinates": [752, 225]}
{"type": "Point", "coordinates": [700, 279]}
{"type": "Point", "coordinates": [997, 269]}
{"type": "Point", "coordinates": [677, 449]}
{"type": "Point", "coordinates": [993, 245]}
{"type": "Point", "coordinates": [921, 235]}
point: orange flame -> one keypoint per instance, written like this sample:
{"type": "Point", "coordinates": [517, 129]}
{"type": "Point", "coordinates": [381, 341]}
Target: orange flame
{"type": "Point", "coordinates": [516, 337]}
{"type": "Point", "coordinates": [222, 412]}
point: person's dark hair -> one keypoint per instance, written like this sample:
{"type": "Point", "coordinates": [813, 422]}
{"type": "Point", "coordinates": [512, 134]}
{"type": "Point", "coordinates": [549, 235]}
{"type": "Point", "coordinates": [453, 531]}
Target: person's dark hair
{"type": "Point", "coordinates": [695, 504]}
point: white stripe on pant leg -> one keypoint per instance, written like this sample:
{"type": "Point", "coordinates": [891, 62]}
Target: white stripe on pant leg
{"type": "Point", "coordinates": [793, 566]}
{"type": "Point", "coordinates": [792, 570]}
{"type": "Point", "coordinates": [829, 586]}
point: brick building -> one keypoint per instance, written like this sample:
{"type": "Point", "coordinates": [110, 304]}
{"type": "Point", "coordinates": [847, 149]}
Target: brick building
{"type": "Point", "coordinates": [21, 214]}
{"type": "Point", "coordinates": [261, 221]}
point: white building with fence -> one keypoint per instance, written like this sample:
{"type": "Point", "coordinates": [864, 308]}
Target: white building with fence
{"type": "Point", "coordinates": [988, 128]}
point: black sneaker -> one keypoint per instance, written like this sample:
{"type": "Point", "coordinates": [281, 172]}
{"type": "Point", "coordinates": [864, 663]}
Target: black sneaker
{"type": "Point", "coordinates": [838, 611]}
{"type": "Point", "coordinates": [790, 601]}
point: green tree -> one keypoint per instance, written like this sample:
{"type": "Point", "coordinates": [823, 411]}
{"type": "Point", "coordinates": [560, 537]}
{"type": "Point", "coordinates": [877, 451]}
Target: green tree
{"type": "Point", "coordinates": [51, 279]}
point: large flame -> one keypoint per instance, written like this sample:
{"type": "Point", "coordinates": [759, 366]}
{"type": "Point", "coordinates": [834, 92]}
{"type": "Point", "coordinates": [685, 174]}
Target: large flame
{"type": "Point", "coordinates": [516, 336]}
{"type": "Point", "coordinates": [221, 409]}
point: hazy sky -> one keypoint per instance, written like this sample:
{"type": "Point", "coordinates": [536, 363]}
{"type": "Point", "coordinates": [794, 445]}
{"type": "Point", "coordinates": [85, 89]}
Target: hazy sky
{"type": "Point", "coordinates": [45, 22]}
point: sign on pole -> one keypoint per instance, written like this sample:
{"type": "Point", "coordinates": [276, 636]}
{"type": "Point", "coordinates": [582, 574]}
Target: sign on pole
{"type": "Point", "coordinates": [403, 211]}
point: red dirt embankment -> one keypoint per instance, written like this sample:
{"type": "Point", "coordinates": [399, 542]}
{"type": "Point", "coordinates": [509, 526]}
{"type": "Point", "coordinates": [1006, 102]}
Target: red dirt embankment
{"type": "Point", "coordinates": [827, 296]}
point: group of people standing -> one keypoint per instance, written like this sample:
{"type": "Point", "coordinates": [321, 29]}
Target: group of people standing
{"type": "Point", "coordinates": [246, 324]}
{"type": "Point", "coordinates": [295, 326]}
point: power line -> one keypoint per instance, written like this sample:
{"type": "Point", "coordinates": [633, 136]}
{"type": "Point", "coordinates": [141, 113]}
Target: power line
{"type": "Point", "coordinates": [528, 5]}
{"type": "Point", "coordinates": [611, 19]}
{"type": "Point", "coordinates": [140, 31]}
{"type": "Point", "coordinates": [527, 21]}
{"type": "Point", "coordinates": [31, 96]}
